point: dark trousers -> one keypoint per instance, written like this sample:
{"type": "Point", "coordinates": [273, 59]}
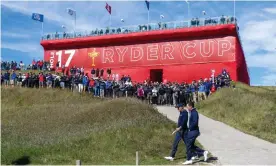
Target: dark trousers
{"type": "Point", "coordinates": [177, 139]}
{"type": "Point", "coordinates": [191, 148]}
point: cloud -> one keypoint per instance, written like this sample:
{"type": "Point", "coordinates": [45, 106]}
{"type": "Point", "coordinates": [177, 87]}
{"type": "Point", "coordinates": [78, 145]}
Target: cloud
{"type": "Point", "coordinates": [15, 35]}
{"type": "Point", "coordinates": [90, 15]}
{"type": "Point", "coordinates": [23, 47]}
{"type": "Point", "coordinates": [56, 14]}
{"type": "Point", "coordinates": [270, 10]}
{"type": "Point", "coordinates": [269, 79]}
{"type": "Point", "coordinates": [258, 36]}
{"type": "Point", "coordinates": [267, 61]}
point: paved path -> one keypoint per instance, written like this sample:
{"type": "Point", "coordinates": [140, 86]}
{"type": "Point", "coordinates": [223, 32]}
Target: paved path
{"type": "Point", "coordinates": [231, 146]}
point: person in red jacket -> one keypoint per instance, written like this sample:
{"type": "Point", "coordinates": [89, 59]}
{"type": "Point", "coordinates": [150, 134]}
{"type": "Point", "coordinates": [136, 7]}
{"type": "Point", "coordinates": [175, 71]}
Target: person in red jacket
{"type": "Point", "coordinates": [41, 80]}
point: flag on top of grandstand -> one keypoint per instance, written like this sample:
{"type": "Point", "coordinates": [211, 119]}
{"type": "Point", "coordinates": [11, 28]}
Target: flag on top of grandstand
{"type": "Point", "coordinates": [147, 3]}
{"type": "Point", "coordinates": [108, 8]}
{"type": "Point", "coordinates": [37, 17]}
{"type": "Point", "coordinates": [71, 12]}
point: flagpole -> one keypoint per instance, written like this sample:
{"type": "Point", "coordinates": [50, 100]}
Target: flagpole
{"type": "Point", "coordinates": [235, 11]}
{"type": "Point", "coordinates": [109, 20]}
{"type": "Point", "coordinates": [188, 13]}
{"type": "Point", "coordinates": [148, 20]}
{"type": "Point", "coordinates": [188, 10]}
{"type": "Point", "coordinates": [188, 3]}
{"type": "Point", "coordinates": [75, 20]}
{"type": "Point", "coordinates": [41, 29]}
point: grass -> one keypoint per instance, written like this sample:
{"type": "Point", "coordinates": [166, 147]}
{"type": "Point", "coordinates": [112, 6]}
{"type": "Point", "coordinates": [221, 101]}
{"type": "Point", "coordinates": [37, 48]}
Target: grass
{"type": "Point", "coordinates": [60, 127]}
{"type": "Point", "coordinates": [249, 109]}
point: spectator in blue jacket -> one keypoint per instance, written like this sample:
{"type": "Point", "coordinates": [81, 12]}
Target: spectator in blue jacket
{"type": "Point", "coordinates": [85, 81]}
{"type": "Point", "coordinates": [102, 88]}
{"type": "Point", "coordinates": [201, 92]}
{"type": "Point", "coordinates": [13, 78]}
{"type": "Point", "coordinates": [109, 88]}
{"type": "Point", "coordinates": [49, 79]}
{"type": "Point", "coordinates": [208, 85]}
{"type": "Point", "coordinates": [97, 88]}
{"type": "Point", "coordinates": [7, 78]}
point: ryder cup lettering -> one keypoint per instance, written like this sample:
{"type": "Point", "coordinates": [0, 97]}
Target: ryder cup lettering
{"type": "Point", "coordinates": [167, 51]}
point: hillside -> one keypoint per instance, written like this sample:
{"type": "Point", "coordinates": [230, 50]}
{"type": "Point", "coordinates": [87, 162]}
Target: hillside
{"type": "Point", "coordinates": [249, 109]}
{"type": "Point", "coordinates": [60, 127]}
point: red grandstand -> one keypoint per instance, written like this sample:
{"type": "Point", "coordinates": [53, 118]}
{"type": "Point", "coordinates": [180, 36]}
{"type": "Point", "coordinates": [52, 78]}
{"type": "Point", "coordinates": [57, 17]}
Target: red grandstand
{"type": "Point", "coordinates": [180, 54]}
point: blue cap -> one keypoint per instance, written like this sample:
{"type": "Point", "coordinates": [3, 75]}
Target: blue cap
{"type": "Point", "coordinates": [179, 105]}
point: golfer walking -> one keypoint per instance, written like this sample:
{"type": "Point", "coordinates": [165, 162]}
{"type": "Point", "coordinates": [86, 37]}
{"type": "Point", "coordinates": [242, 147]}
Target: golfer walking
{"type": "Point", "coordinates": [191, 134]}
{"type": "Point", "coordinates": [181, 128]}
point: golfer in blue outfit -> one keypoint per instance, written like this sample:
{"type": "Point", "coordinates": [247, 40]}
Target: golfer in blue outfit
{"type": "Point", "coordinates": [191, 134]}
{"type": "Point", "coordinates": [181, 127]}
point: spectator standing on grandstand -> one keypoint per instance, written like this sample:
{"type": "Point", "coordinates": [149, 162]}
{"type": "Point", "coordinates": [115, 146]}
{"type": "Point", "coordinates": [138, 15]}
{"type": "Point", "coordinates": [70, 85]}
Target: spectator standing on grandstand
{"type": "Point", "coordinates": [13, 78]}
{"type": "Point", "coordinates": [33, 64]}
{"type": "Point", "coordinates": [93, 73]}
{"type": "Point", "coordinates": [41, 65]}
{"type": "Point", "coordinates": [7, 78]}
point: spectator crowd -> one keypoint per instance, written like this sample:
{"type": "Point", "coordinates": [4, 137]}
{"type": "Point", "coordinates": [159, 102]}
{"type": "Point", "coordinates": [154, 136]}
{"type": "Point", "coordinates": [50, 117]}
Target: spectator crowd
{"type": "Point", "coordinates": [35, 65]}
{"type": "Point", "coordinates": [75, 80]}
{"type": "Point", "coordinates": [194, 22]}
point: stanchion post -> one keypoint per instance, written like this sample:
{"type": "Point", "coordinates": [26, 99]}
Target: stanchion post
{"type": "Point", "coordinates": [78, 162]}
{"type": "Point", "coordinates": [137, 158]}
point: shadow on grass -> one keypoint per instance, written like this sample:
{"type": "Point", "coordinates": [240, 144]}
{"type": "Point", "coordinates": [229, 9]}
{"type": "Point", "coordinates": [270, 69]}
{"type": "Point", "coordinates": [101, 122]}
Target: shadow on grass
{"type": "Point", "coordinates": [209, 160]}
{"type": "Point", "coordinates": [180, 158]}
{"type": "Point", "coordinates": [22, 161]}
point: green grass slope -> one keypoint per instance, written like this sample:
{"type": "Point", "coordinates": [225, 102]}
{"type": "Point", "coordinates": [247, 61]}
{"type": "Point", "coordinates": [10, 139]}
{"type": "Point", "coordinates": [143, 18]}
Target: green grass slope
{"type": "Point", "coordinates": [60, 127]}
{"type": "Point", "coordinates": [249, 109]}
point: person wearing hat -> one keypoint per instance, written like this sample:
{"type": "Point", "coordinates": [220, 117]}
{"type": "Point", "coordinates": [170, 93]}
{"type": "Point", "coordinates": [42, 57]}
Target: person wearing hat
{"type": "Point", "coordinates": [181, 128]}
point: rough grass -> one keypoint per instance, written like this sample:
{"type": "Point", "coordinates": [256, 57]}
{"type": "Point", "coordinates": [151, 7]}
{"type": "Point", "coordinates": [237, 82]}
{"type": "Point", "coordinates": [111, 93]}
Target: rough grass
{"type": "Point", "coordinates": [60, 127]}
{"type": "Point", "coordinates": [249, 109]}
